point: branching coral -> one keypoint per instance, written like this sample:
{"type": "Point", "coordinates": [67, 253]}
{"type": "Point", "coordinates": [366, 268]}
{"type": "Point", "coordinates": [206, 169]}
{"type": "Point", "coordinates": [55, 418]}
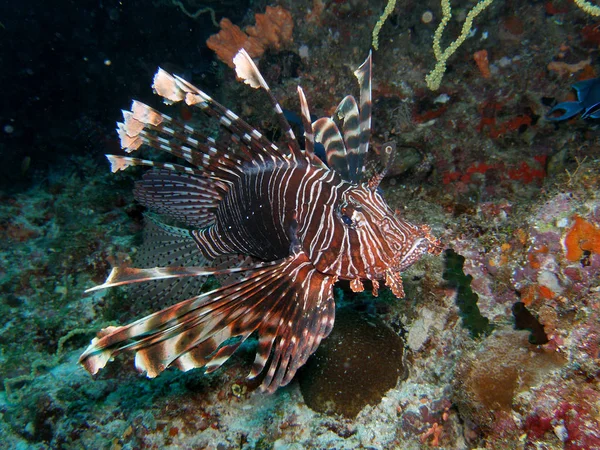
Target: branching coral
{"type": "Point", "coordinates": [391, 4]}
{"type": "Point", "coordinates": [434, 78]}
{"type": "Point", "coordinates": [273, 30]}
{"type": "Point", "coordinates": [589, 8]}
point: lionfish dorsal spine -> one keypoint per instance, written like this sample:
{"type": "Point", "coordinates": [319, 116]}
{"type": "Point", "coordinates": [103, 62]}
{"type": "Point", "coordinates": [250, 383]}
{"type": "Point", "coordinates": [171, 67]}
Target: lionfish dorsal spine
{"type": "Point", "coordinates": [174, 88]}
{"type": "Point", "coordinates": [143, 125]}
{"type": "Point", "coordinates": [309, 137]}
{"type": "Point", "coordinates": [345, 149]}
{"type": "Point", "coordinates": [348, 114]}
{"type": "Point", "coordinates": [246, 69]}
{"type": "Point", "coordinates": [118, 163]}
{"type": "Point", "coordinates": [327, 133]}
{"type": "Point", "coordinates": [363, 75]}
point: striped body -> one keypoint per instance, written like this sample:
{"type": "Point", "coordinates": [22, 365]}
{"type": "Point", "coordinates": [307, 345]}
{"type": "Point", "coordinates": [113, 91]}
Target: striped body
{"type": "Point", "coordinates": [259, 219]}
{"type": "Point", "coordinates": [276, 223]}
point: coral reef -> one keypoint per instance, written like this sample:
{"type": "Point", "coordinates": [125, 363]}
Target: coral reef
{"type": "Point", "coordinates": [582, 239]}
{"type": "Point", "coordinates": [273, 30]}
{"type": "Point", "coordinates": [489, 380]}
{"type": "Point", "coordinates": [513, 195]}
{"type": "Point", "coordinates": [360, 361]}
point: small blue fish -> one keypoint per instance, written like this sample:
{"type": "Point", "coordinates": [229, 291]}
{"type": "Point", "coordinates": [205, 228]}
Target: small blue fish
{"type": "Point", "coordinates": [588, 102]}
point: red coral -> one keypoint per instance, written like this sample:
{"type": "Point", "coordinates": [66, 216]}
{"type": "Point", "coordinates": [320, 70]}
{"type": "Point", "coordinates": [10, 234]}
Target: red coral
{"type": "Point", "coordinates": [488, 121]}
{"type": "Point", "coordinates": [483, 63]}
{"type": "Point", "coordinates": [590, 35]}
{"type": "Point", "coordinates": [555, 7]}
{"type": "Point", "coordinates": [523, 172]}
{"type": "Point", "coordinates": [537, 425]}
{"type": "Point", "coordinates": [577, 420]}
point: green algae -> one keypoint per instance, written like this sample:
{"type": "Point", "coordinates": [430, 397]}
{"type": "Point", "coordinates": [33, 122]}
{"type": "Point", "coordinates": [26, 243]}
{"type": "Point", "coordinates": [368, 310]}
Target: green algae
{"type": "Point", "coordinates": [466, 299]}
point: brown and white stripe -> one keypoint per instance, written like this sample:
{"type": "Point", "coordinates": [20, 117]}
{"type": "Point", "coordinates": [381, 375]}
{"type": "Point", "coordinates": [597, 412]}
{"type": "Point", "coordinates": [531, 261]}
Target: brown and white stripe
{"type": "Point", "coordinates": [299, 224]}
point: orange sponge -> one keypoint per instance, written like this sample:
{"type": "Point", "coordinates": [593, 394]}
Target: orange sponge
{"type": "Point", "coordinates": [583, 236]}
{"type": "Point", "coordinates": [273, 30]}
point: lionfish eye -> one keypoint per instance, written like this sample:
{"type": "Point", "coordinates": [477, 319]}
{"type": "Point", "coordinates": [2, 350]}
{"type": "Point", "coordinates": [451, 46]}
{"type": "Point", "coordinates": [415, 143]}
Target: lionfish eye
{"type": "Point", "coordinates": [347, 220]}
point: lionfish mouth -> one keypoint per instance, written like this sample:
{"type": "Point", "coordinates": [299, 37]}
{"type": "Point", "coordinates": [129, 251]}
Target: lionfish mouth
{"type": "Point", "coordinates": [419, 247]}
{"type": "Point", "coordinates": [426, 243]}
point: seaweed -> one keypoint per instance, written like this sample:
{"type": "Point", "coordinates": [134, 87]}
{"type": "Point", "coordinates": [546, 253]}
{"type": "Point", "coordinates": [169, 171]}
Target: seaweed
{"type": "Point", "coordinates": [466, 299]}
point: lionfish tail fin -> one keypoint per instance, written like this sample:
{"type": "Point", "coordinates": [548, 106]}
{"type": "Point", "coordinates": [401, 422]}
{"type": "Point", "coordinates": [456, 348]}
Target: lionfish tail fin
{"type": "Point", "coordinates": [290, 319]}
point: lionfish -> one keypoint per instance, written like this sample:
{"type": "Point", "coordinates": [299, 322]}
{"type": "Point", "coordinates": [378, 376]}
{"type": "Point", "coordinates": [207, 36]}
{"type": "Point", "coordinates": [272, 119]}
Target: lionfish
{"type": "Point", "coordinates": [285, 224]}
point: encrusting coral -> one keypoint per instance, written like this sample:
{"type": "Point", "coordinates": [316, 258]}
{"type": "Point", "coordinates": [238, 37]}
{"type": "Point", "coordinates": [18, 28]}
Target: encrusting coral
{"type": "Point", "coordinates": [273, 30]}
{"type": "Point", "coordinates": [582, 237]}
{"type": "Point", "coordinates": [355, 366]}
{"type": "Point", "coordinates": [488, 381]}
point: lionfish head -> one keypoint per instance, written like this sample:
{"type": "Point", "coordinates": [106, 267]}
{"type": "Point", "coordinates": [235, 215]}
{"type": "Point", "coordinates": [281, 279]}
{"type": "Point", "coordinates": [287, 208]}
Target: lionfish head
{"type": "Point", "coordinates": [383, 243]}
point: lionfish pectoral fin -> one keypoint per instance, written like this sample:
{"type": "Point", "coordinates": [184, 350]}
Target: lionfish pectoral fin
{"type": "Point", "coordinates": [186, 198]}
{"type": "Point", "coordinates": [123, 275]}
{"type": "Point", "coordinates": [288, 303]}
